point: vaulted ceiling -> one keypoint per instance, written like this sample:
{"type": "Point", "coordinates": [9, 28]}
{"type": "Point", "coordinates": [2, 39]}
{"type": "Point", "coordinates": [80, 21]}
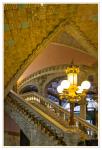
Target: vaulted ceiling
{"type": "Point", "coordinates": [56, 54]}
{"type": "Point", "coordinates": [30, 28]}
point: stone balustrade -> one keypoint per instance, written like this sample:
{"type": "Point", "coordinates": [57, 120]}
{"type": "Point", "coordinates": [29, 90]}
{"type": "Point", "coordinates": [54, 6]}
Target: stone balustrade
{"type": "Point", "coordinates": [31, 123]}
{"type": "Point", "coordinates": [49, 117]}
{"type": "Point", "coordinates": [85, 128]}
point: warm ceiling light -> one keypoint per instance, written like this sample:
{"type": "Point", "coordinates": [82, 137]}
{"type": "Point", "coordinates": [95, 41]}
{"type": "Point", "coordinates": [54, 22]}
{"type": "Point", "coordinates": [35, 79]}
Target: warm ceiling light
{"type": "Point", "coordinates": [59, 89]}
{"type": "Point", "coordinates": [85, 85]}
{"type": "Point", "coordinates": [65, 84]}
{"type": "Point", "coordinates": [69, 89]}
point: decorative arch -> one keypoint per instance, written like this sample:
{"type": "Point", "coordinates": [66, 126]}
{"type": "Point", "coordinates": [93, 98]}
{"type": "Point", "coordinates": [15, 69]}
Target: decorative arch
{"type": "Point", "coordinates": [49, 80]}
{"type": "Point", "coordinates": [28, 88]}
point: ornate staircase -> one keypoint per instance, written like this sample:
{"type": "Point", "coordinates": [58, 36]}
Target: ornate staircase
{"type": "Point", "coordinates": [44, 122]}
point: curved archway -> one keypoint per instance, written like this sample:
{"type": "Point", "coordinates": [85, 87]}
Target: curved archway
{"type": "Point", "coordinates": [28, 88]}
{"type": "Point", "coordinates": [48, 83]}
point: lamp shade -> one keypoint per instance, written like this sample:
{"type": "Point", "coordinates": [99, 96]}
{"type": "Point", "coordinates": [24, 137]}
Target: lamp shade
{"type": "Point", "coordinates": [85, 85]}
{"type": "Point", "coordinates": [72, 77]}
{"type": "Point", "coordinates": [65, 84]}
{"type": "Point", "coordinates": [59, 89]}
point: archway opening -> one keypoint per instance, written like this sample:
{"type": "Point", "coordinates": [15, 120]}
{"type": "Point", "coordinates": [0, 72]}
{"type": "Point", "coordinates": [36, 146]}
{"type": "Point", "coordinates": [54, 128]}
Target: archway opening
{"type": "Point", "coordinates": [29, 88]}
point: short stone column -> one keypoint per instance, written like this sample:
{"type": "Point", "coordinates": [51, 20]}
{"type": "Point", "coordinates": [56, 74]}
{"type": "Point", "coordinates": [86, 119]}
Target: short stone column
{"type": "Point", "coordinates": [83, 109]}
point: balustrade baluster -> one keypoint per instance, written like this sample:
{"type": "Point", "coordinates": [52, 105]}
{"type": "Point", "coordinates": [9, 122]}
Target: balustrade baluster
{"type": "Point", "coordinates": [34, 98]}
{"type": "Point", "coordinates": [64, 116]}
{"type": "Point", "coordinates": [39, 100]}
{"type": "Point", "coordinates": [47, 105]}
{"type": "Point", "coordinates": [58, 113]}
{"type": "Point", "coordinates": [43, 127]}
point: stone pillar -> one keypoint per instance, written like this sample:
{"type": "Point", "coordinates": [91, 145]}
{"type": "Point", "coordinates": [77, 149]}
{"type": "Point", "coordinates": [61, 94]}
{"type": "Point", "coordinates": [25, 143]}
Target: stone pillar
{"type": "Point", "coordinates": [83, 109]}
{"type": "Point", "coordinates": [71, 122]}
{"type": "Point", "coordinates": [96, 116]}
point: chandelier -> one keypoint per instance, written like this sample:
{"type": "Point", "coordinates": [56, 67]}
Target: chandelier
{"type": "Point", "coordinates": [69, 90]}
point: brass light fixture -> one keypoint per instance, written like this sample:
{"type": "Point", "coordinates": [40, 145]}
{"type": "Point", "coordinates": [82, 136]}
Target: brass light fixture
{"type": "Point", "coordinates": [69, 90]}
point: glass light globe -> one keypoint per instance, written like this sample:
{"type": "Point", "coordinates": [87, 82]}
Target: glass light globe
{"type": "Point", "coordinates": [59, 89]}
{"type": "Point", "coordinates": [85, 85]}
{"type": "Point", "coordinates": [65, 84]}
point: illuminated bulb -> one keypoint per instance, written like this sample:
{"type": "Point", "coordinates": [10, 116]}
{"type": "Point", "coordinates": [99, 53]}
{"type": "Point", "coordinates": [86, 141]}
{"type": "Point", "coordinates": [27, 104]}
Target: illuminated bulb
{"type": "Point", "coordinates": [85, 85]}
{"type": "Point", "coordinates": [59, 89]}
{"type": "Point", "coordinates": [65, 84]}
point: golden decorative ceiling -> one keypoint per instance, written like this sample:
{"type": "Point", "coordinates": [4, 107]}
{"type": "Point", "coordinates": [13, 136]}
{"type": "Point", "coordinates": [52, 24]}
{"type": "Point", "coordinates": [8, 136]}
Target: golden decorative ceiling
{"type": "Point", "coordinates": [86, 19]}
{"type": "Point", "coordinates": [28, 28]}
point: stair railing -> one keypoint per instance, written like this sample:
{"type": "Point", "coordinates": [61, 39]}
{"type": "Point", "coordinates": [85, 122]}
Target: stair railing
{"type": "Point", "coordinates": [80, 124]}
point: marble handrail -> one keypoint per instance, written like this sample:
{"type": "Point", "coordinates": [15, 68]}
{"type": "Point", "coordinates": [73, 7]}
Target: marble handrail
{"type": "Point", "coordinates": [50, 117]}
{"type": "Point", "coordinates": [53, 114]}
{"type": "Point", "coordinates": [84, 126]}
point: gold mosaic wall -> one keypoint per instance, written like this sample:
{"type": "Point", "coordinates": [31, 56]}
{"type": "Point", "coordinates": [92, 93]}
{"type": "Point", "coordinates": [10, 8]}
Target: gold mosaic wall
{"type": "Point", "coordinates": [27, 26]}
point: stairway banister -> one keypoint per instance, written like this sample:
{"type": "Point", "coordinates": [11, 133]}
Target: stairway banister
{"type": "Point", "coordinates": [82, 121]}
{"type": "Point", "coordinates": [31, 109]}
{"type": "Point", "coordinates": [18, 98]}
{"type": "Point", "coordinates": [87, 124]}
{"type": "Point", "coordinates": [48, 101]}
